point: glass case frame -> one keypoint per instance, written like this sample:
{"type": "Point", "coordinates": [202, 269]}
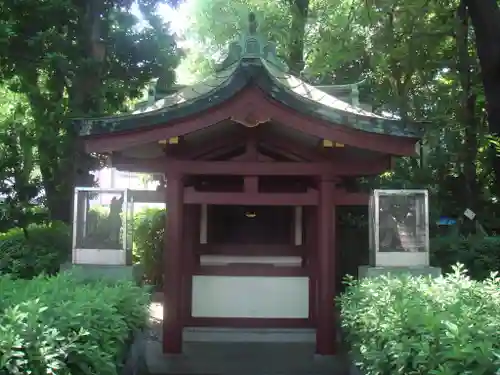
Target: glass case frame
{"type": "Point", "coordinates": [121, 254]}
{"type": "Point", "coordinates": [381, 258]}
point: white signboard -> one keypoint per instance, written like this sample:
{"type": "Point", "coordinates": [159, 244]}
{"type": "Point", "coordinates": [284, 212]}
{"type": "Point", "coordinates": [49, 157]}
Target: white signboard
{"type": "Point", "coordinates": [469, 214]}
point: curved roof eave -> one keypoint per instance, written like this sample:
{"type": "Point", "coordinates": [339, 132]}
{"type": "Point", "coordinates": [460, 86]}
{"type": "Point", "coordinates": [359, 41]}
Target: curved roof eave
{"type": "Point", "coordinates": [225, 84]}
{"type": "Point", "coordinates": [314, 102]}
{"type": "Point", "coordinates": [212, 91]}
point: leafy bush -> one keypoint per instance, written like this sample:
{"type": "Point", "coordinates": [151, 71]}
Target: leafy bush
{"type": "Point", "coordinates": [409, 325]}
{"type": "Point", "coordinates": [45, 248]}
{"type": "Point", "coordinates": [36, 214]}
{"type": "Point", "coordinates": [97, 230]}
{"type": "Point", "coordinates": [479, 254]}
{"type": "Point", "coordinates": [149, 231]}
{"type": "Point", "coordinates": [59, 325]}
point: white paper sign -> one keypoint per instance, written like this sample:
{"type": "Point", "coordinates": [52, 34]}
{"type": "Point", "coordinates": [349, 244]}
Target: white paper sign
{"type": "Point", "coordinates": [469, 214]}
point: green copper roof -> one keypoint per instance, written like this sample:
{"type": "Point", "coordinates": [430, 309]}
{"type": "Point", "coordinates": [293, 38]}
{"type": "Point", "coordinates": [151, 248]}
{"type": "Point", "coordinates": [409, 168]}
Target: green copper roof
{"type": "Point", "coordinates": [250, 60]}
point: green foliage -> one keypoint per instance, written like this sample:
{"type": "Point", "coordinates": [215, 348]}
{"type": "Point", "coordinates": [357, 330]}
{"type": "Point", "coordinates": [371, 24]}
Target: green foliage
{"type": "Point", "coordinates": [99, 229]}
{"type": "Point", "coordinates": [212, 24]}
{"type": "Point", "coordinates": [19, 183]}
{"type": "Point", "coordinates": [37, 214]}
{"type": "Point", "coordinates": [149, 232]}
{"type": "Point", "coordinates": [96, 218]}
{"type": "Point", "coordinates": [45, 248]}
{"type": "Point", "coordinates": [419, 326]}
{"type": "Point", "coordinates": [59, 325]}
{"type": "Point", "coordinates": [67, 59]}
{"type": "Point", "coordinates": [416, 59]}
{"type": "Point", "coordinates": [479, 254]}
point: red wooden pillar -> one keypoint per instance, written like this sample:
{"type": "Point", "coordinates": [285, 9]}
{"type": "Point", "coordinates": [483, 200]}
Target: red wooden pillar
{"type": "Point", "coordinates": [172, 258]}
{"type": "Point", "coordinates": [325, 333]}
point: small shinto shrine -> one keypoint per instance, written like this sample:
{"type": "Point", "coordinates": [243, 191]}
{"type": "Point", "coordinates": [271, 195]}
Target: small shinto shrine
{"type": "Point", "coordinates": [255, 162]}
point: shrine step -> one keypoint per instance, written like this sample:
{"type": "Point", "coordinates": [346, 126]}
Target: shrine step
{"type": "Point", "coordinates": [203, 358]}
{"type": "Point", "coordinates": [249, 335]}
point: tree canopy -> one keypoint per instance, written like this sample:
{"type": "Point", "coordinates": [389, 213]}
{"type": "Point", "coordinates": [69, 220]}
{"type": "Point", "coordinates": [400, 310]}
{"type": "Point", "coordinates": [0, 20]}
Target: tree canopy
{"type": "Point", "coordinates": [72, 58]}
{"type": "Point", "coordinates": [422, 60]}
{"type": "Point", "coordinates": [426, 60]}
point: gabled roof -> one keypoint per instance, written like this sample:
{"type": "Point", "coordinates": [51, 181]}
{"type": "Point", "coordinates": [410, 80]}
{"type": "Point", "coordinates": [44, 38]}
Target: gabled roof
{"type": "Point", "coordinates": [251, 61]}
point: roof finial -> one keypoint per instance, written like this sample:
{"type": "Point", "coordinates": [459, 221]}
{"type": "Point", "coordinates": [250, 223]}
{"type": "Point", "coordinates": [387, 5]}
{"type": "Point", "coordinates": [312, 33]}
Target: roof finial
{"type": "Point", "coordinates": [252, 23]}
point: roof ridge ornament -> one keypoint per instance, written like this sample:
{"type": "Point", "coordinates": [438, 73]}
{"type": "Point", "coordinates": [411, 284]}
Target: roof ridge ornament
{"type": "Point", "coordinates": [251, 46]}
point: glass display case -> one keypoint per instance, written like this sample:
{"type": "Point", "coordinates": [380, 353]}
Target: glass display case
{"type": "Point", "coordinates": [102, 226]}
{"type": "Point", "coordinates": [399, 228]}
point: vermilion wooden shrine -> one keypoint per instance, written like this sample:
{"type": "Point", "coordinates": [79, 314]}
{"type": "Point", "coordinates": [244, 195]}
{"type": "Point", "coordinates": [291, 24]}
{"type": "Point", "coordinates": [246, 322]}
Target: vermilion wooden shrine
{"type": "Point", "coordinates": [254, 160]}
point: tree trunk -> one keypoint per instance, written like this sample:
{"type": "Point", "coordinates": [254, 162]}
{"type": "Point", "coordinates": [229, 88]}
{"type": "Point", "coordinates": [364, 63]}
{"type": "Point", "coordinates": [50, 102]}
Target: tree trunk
{"type": "Point", "coordinates": [300, 10]}
{"type": "Point", "coordinates": [468, 109]}
{"type": "Point", "coordinates": [485, 17]}
{"type": "Point", "coordinates": [84, 97]}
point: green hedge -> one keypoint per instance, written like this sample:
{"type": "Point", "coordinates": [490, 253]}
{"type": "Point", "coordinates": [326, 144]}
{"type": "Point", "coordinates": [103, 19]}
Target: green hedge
{"type": "Point", "coordinates": [410, 326]}
{"type": "Point", "coordinates": [58, 325]}
{"type": "Point", "coordinates": [149, 230]}
{"type": "Point", "coordinates": [46, 247]}
{"type": "Point", "coordinates": [479, 254]}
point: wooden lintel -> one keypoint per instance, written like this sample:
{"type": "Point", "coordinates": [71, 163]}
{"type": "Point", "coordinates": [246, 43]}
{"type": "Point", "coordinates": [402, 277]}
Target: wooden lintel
{"type": "Point", "coordinates": [309, 198]}
{"type": "Point", "coordinates": [341, 197]}
{"type": "Point", "coordinates": [261, 250]}
{"type": "Point", "coordinates": [243, 168]}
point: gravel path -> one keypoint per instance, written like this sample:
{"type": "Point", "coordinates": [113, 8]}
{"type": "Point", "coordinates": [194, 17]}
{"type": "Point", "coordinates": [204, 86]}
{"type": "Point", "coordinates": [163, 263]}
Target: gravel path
{"type": "Point", "coordinates": [156, 317]}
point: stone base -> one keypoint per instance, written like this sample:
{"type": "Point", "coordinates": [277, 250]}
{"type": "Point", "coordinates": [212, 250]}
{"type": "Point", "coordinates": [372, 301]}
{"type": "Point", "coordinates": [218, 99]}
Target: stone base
{"type": "Point", "coordinates": [243, 359]}
{"type": "Point", "coordinates": [247, 335]}
{"type": "Point", "coordinates": [104, 272]}
{"type": "Point", "coordinates": [369, 271]}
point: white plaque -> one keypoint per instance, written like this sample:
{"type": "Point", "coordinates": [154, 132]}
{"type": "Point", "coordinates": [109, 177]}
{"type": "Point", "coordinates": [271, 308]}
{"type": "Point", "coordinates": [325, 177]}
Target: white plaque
{"type": "Point", "coordinates": [469, 214]}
